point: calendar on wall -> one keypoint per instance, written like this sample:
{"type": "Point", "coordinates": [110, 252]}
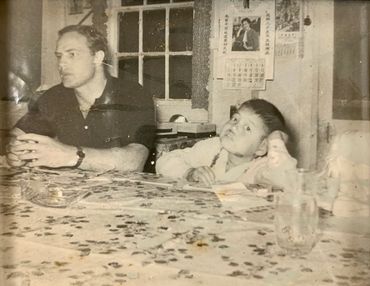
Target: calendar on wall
{"type": "Point", "coordinates": [246, 44]}
{"type": "Point", "coordinates": [245, 73]}
{"type": "Point", "coordinates": [289, 28]}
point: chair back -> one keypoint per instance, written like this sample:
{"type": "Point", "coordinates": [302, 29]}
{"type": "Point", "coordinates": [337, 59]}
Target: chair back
{"type": "Point", "coordinates": [349, 161]}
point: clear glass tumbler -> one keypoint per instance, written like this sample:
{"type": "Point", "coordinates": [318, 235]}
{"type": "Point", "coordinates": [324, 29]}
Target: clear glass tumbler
{"type": "Point", "coordinates": [296, 214]}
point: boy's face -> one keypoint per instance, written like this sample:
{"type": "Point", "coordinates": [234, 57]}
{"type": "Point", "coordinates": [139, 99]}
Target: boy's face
{"type": "Point", "coordinates": [243, 133]}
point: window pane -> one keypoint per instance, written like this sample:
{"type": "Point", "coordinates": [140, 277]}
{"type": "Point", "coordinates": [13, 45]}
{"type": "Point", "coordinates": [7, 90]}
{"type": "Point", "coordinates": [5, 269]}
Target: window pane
{"type": "Point", "coordinates": [128, 32]}
{"type": "Point", "coordinates": [131, 2]}
{"type": "Point", "coordinates": [157, 1]}
{"type": "Point", "coordinates": [351, 89]}
{"type": "Point", "coordinates": [154, 76]}
{"type": "Point", "coordinates": [181, 29]}
{"type": "Point", "coordinates": [180, 77]}
{"type": "Point", "coordinates": [128, 68]}
{"type": "Point", "coordinates": [154, 31]}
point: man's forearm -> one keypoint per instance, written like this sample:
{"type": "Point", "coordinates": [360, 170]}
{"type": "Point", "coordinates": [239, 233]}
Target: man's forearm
{"type": "Point", "coordinates": [129, 158]}
{"type": "Point", "coordinates": [42, 151]}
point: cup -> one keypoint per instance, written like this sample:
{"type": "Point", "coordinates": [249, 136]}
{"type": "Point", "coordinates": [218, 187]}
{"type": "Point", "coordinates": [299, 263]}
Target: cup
{"type": "Point", "coordinates": [296, 214]}
{"type": "Point", "coordinates": [327, 191]}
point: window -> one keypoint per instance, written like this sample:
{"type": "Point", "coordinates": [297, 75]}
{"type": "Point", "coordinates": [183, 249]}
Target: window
{"type": "Point", "coordinates": [154, 44]}
{"type": "Point", "coordinates": [351, 89]}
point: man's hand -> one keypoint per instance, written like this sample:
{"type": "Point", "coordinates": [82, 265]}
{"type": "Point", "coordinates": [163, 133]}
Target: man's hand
{"type": "Point", "coordinates": [202, 174]}
{"type": "Point", "coordinates": [38, 150]}
{"type": "Point", "coordinates": [12, 156]}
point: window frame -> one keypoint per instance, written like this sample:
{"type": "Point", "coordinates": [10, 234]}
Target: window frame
{"type": "Point", "coordinates": [114, 7]}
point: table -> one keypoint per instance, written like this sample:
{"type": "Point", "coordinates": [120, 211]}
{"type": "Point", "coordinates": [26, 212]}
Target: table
{"type": "Point", "coordinates": [141, 229]}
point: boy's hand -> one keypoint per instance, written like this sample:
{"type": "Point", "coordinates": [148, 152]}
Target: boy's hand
{"type": "Point", "coordinates": [202, 174]}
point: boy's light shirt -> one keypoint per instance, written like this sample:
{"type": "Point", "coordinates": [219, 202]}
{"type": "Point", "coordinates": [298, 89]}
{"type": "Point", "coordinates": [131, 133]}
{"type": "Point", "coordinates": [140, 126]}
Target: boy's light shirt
{"type": "Point", "coordinates": [175, 163]}
{"type": "Point", "coordinates": [232, 174]}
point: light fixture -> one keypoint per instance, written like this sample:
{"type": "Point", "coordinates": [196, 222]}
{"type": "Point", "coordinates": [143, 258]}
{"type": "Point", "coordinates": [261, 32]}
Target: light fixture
{"type": "Point", "coordinates": [307, 20]}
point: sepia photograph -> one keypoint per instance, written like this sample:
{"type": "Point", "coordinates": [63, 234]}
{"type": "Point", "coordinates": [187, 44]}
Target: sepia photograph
{"type": "Point", "coordinates": [184, 142]}
{"type": "Point", "coordinates": [246, 34]}
{"type": "Point", "coordinates": [288, 15]}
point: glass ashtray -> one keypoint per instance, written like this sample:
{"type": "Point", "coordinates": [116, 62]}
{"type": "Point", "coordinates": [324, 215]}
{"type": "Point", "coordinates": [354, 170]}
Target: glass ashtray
{"type": "Point", "coordinates": [51, 195]}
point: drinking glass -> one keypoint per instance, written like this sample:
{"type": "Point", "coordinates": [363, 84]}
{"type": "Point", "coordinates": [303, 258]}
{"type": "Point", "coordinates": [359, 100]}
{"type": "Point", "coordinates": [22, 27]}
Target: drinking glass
{"type": "Point", "coordinates": [327, 191]}
{"type": "Point", "coordinates": [296, 214]}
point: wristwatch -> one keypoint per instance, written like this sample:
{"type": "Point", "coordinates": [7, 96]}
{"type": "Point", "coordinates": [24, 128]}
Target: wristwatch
{"type": "Point", "coordinates": [81, 155]}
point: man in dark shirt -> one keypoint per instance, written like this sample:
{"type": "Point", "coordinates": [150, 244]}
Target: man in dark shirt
{"type": "Point", "coordinates": [91, 120]}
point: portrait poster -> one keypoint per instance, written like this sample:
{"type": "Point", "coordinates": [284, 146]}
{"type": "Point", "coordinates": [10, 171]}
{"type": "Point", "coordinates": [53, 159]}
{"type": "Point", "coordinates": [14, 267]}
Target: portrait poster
{"type": "Point", "coordinates": [289, 28]}
{"type": "Point", "coordinates": [247, 40]}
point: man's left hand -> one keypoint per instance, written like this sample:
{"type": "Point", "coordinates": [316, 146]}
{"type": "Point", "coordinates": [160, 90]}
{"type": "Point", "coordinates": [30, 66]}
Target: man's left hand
{"type": "Point", "coordinates": [39, 150]}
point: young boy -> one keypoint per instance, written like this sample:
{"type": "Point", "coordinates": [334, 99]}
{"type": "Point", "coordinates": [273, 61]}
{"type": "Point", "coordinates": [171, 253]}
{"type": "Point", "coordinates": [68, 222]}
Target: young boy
{"type": "Point", "coordinates": [250, 149]}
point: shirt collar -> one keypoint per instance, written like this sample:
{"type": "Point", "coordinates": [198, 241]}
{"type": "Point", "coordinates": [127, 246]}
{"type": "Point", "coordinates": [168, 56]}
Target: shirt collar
{"type": "Point", "coordinates": [106, 97]}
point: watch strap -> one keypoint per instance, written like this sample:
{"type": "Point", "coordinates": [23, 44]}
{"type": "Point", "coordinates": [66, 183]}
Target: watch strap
{"type": "Point", "coordinates": [81, 155]}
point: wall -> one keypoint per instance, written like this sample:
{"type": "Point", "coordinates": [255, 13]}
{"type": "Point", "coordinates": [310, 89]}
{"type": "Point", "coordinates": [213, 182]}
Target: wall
{"type": "Point", "coordinates": [294, 89]}
{"type": "Point", "coordinates": [21, 52]}
{"type": "Point", "coordinates": [55, 17]}
{"type": "Point", "coordinates": [4, 48]}
{"type": "Point", "coordinates": [220, 99]}
{"type": "Point", "coordinates": [24, 40]}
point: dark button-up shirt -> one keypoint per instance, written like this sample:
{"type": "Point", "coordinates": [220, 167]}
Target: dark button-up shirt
{"type": "Point", "coordinates": [123, 114]}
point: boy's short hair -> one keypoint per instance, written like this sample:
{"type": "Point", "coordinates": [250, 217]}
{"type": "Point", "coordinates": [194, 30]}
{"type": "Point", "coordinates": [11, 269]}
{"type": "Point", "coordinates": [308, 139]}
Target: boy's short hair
{"type": "Point", "coordinates": [269, 113]}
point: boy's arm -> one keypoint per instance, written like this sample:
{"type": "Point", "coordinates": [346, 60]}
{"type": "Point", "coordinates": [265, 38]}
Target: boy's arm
{"type": "Point", "coordinates": [272, 168]}
{"type": "Point", "coordinates": [176, 163]}
{"type": "Point", "coordinates": [279, 161]}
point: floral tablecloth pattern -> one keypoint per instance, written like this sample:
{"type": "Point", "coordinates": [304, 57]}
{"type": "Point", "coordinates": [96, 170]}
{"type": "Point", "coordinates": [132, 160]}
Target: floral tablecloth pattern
{"type": "Point", "coordinates": [141, 229]}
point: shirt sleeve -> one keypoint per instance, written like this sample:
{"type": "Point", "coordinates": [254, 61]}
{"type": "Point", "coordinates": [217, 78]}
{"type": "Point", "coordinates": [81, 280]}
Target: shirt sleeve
{"type": "Point", "coordinates": [273, 168]}
{"type": "Point", "coordinates": [176, 163]}
{"type": "Point", "coordinates": [278, 163]}
{"type": "Point", "coordinates": [255, 41]}
{"type": "Point", "coordinates": [36, 120]}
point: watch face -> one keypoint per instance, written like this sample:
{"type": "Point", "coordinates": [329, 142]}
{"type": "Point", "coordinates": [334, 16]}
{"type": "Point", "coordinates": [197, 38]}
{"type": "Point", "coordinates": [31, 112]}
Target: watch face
{"type": "Point", "coordinates": [80, 153]}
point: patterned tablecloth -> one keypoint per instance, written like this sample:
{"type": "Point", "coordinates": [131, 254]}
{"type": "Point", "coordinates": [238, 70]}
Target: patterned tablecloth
{"type": "Point", "coordinates": [139, 229]}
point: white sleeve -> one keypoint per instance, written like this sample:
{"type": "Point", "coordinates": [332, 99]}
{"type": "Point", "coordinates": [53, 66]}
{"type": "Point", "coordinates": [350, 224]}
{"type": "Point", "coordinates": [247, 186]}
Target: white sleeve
{"type": "Point", "coordinates": [277, 164]}
{"type": "Point", "coordinates": [175, 163]}
{"type": "Point", "coordinates": [278, 155]}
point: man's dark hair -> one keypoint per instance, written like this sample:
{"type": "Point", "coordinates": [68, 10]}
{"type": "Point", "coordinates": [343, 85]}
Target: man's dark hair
{"type": "Point", "coordinates": [246, 20]}
{"type": "Point", "coordinates": [96, 41]}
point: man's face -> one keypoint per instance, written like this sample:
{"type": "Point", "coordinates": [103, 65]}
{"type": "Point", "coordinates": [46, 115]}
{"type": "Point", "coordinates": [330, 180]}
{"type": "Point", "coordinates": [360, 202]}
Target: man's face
{"type": "Point", "coordinates": [246, 25]}
{"type": "Point", "coordinates": [75, 60]}
{"type": "Point", "coordinates": [243, 133]}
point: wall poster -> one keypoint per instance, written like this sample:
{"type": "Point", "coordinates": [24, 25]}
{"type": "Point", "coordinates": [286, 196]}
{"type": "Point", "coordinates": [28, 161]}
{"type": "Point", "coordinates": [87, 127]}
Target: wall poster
{"type": "Point", "coordinates": [246, 46]}
{"type": "Point", "coordinates": [289, 28]}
